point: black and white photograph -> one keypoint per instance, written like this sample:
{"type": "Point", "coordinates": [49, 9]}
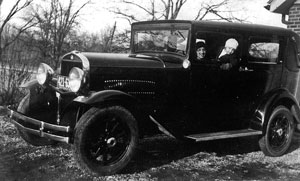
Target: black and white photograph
{"type": "Point", "coordinates": [147, 90]}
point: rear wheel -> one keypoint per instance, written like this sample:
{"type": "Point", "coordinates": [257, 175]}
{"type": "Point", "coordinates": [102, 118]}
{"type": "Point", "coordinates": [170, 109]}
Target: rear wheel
{"type": "Point", "coordinates": [35, 140]}
{"type": "Point", "coordinates": [279, 133]}
{"type": "Point", "coordinates": [105, 140]}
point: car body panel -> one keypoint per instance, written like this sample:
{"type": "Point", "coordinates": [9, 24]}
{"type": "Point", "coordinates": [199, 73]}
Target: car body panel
{"type": "Point", "coordinates": [196, 97]}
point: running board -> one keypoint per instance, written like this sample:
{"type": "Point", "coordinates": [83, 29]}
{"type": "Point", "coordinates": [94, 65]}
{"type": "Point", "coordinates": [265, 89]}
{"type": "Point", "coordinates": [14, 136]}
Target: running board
{"type": "Point", "coordinates": [223, 135]}
{"type": "Point", "coordinates": [161, 128]}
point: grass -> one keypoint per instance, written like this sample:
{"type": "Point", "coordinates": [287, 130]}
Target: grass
{"type": "Point", "coordinates": [157, 158]}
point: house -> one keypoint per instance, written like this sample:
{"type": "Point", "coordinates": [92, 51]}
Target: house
{"type": "Point", "coordinates": [290, 10]}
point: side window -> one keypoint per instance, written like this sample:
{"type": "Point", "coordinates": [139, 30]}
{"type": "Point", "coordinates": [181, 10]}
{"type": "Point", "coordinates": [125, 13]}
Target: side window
{"type": "Point", "coordinates": [214, 42]}
{"type": "Point", "coordinates": [264, 50]}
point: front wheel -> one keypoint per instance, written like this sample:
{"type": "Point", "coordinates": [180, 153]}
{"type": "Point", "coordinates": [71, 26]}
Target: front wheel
{"type": "Point", "coordinates": [105, 140]}
{"type": "Point", "coordinates": [279, 133]}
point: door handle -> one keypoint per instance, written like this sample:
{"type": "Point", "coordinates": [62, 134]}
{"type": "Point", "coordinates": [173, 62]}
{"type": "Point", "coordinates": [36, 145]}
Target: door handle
{"type": "Point", "coordinates": [245, 69]}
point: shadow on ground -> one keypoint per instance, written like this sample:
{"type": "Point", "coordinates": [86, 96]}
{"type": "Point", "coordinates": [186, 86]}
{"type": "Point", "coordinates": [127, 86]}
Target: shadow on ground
{"type": "Point", "coordinates": [160, 150]}
{"type": "Point", "coordinates": [159, 157]}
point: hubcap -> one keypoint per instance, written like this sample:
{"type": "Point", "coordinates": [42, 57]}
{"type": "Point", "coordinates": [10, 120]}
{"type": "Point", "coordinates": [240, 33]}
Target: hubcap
{"type": "Point", "coordinates": [279, 132]}
{"type": "Point", "coordinates": [111, 142]}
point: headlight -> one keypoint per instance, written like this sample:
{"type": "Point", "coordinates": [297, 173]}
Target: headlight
{"type": "Point", "coordinates": [186, 64]}
{"type": "Point", "coordinates": [44, 73]}
{"type": "Point", "coordinates": [75, 79]}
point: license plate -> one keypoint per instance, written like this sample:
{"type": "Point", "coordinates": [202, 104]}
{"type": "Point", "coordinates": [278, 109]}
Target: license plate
{"type": "Point", "coordinates": [63, 83]}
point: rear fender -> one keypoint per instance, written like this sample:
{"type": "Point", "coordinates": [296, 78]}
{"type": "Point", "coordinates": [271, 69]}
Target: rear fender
{"type": "Point", "coordinates": [269, 103]}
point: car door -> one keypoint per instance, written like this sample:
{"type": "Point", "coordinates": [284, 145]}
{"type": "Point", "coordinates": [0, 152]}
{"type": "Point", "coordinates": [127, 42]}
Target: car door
{"type": "Point", "coordinates": [259, 73]}
{"type": "Point", "coordinates": [214, 89]}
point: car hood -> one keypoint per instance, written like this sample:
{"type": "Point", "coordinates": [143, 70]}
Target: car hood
{"type": "Point", "coordinates": [131, 60]}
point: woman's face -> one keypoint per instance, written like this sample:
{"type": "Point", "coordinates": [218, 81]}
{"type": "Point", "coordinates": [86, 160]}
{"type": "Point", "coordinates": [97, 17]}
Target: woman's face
{"type": "Point", "coordinates": [201, 52]}
{"type": "Point", "coordinates": [229, 50]}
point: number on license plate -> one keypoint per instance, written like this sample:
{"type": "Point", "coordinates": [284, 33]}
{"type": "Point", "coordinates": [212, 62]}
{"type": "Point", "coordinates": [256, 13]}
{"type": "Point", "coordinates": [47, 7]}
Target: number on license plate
{"type": "Point", "coordinates": [63, 82]}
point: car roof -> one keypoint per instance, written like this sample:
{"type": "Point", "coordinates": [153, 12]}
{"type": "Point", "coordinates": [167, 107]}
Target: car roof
{"type": "Point", "coordinates": [225, 25]}
{"type": "Point", "coordinates": [256, 28]}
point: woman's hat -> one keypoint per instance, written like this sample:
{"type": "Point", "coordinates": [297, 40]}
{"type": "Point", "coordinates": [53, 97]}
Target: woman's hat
{"type": "Point", "coordinates": [231, 43]}
{"type": "Point", "coordinates": [200, 44]}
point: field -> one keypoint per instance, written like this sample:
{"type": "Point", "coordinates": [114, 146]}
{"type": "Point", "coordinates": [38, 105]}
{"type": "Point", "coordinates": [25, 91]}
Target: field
{"type": "Point", "coordinates": [157, 158]}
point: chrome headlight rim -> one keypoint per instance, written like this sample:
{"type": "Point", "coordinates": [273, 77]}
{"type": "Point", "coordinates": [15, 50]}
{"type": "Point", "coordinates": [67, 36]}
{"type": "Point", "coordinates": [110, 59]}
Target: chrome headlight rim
{"type": "Point", "coordinates": [76, 79]}
{"type": "Point", "coordinates": [85, 67]}
{"type": "Point", "coordinates": [44, 74]}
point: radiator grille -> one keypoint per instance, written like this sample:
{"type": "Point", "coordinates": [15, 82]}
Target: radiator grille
{"type": "Point", "coordinates": [67, 65]}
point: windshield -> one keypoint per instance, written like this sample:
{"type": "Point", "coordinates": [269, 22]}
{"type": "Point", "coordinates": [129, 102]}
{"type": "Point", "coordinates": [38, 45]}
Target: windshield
{"type": "Point", "coordinates": [174, 41]}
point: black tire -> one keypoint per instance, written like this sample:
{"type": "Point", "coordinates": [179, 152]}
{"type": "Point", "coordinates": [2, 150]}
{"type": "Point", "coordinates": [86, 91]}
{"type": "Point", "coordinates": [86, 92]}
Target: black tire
{"type": "Point", "coordinates": [279, 133]}
{"type": "Point", "coordinates": [105, 140]}
{"type": "Point", "coordinates": [28, 137]}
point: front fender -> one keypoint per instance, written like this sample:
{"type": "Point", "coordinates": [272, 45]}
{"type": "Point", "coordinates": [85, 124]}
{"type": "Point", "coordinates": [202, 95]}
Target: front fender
{"type": "Point", "coordinates": [105, 96]}
{"type": "Point", "coordinates": [39, 96]}
{"type": "Point", "coordinates": [267, 105]}
{"type": "Point", "coordinates": [30, 84]}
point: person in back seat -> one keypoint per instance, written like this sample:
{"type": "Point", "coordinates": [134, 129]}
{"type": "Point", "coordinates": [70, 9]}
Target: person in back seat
{"type": "Point", "coordinates": [227, 56]}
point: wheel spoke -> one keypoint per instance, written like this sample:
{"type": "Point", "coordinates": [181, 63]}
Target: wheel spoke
{"type": "Point", "coordinates": [105, 157]}
{"type": "Point", "coordinates": [121, 134]}
{"type": "Point", "coordinates": [114, 127]}
{"type": "Point", "coordinates": [110, 124]}
{"type": "Point", "coordinates": [99, 152]}
{"type": "Point", "coordinates": [118, 150]}
{"type": "Point", "coordinates": [106, 126]}
{"type": "Point", "coordinates": [97, 148]}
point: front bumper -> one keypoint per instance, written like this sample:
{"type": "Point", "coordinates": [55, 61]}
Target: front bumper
{"type": "Point", "coordinates": [45, 130]}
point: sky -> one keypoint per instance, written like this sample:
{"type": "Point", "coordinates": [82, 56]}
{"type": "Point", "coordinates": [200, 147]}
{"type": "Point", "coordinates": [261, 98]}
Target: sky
{"type": "Point", "coordinates": [252, 10]}
{"type": "Point", "coordinates": [95, 17]}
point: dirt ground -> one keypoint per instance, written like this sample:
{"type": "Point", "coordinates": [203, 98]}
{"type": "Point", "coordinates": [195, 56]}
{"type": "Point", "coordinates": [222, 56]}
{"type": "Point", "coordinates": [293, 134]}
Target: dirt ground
{"type": "Point", "coordinates": [157, 158]}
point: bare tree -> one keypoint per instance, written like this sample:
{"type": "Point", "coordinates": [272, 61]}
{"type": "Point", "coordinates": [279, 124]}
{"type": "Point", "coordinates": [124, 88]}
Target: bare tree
{"type": "Point", "coordinates": [121, 42]}
{"type": "Point", "coordinates": [13, 54]}
{"type": "Point", "coordinates": [217, 11]}
{"type": "Point", "coordinates": [17, 66]}
{"type": "Point", "coordinates": [170, 9]}
{"type": "Point", "coordinates": [16, 8]}
{"type": "Point", "coordinates": [55, 20]}
{"type": "Point", "coordinates": [154, 10]}
{"type": "Point", "coordinates": [107, 36]}
{"type": "Point", "coordinates": [107, 40]}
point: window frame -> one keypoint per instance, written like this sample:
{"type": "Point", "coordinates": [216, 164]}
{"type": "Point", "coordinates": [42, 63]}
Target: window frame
{"type": "Point", "coordinates": [238, 36]}
{"type": "Point", "coordinates": [268, 39]}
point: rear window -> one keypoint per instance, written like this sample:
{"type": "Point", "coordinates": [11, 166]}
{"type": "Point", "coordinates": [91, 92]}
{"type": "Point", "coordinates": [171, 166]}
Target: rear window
{"type": "Point", "coordinates": [264, 50]}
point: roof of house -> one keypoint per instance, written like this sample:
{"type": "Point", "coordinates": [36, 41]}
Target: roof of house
{"type": "Point", "coordinates": [280, 6]}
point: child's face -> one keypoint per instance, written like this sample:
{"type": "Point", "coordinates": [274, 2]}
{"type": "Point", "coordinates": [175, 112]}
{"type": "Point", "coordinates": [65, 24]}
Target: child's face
{"type": "Point", "coordinates": [201, 52]}
{"type": "Point", "coordinates": [229, 50]}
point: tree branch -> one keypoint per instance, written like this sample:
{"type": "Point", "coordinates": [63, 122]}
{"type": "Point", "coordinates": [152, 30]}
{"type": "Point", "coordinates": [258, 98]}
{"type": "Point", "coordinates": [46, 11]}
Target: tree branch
{"type": "Point", "coordinates": [127, 16]}
{"type": "Point", "coordinates": [139, 6]}
{"type": "Point", "coordinates": [21, 30]}
{"type": "Point", "coordinates": [14, 10]}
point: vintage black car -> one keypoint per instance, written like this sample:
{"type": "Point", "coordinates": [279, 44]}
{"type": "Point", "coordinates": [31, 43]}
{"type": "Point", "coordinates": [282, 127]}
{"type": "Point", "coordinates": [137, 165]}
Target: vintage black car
{"type": "Point", "coordinates": [104, 103]}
